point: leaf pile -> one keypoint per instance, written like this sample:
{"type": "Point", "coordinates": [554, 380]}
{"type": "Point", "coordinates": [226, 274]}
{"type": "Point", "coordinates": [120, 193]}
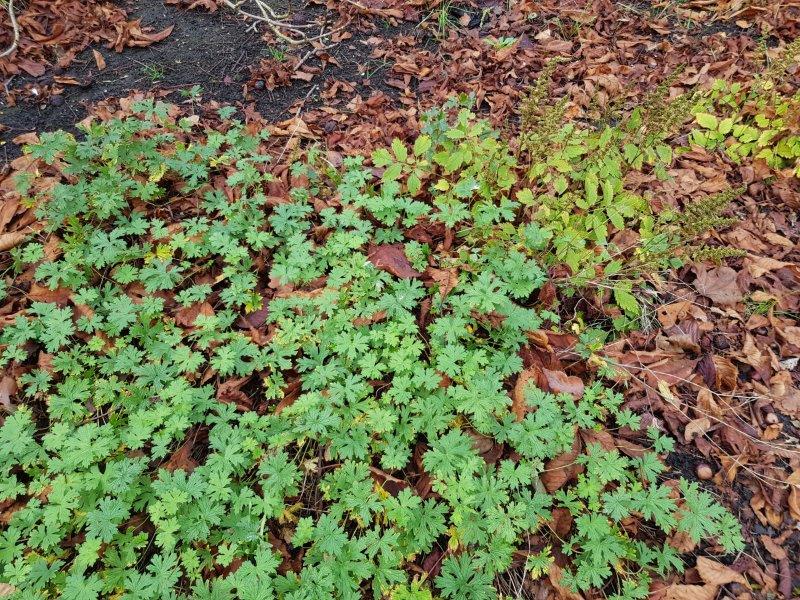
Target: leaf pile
{"type": "Point", "coordinates": [53, 32]}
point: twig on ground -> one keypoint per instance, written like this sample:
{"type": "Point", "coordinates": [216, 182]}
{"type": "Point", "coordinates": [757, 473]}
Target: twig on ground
{"type": "Point", "coordinates": [291, 33]}
{"type": "Point", "coordinates": [15, 26]}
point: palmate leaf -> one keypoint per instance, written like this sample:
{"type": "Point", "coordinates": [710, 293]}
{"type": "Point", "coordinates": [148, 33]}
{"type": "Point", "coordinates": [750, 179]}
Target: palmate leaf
{"type": "Point", "coordinates": [316, 397]}
{"type": "Point", "coordinates": [461, 580]}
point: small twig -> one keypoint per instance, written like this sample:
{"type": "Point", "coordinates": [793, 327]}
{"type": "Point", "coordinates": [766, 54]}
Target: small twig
{"type": "Point", "coordinates": [15, 26]}
{"type": "Point", "coordinates": [278, 23]}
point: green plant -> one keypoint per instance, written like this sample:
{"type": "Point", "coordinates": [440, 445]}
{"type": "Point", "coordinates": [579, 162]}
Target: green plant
{"type": "Point", "coordinates": [578, 198]}
{"type": "Point", "coordinates": [154, 72]}
{"type": "Point", "coordinates": [166, 450]}
{"type": "Point", "coordinates": [755, 119]}
{"type": "Point", "coordinates": [193, 93]}
{"type": "Point", "coordinates": [276, 53]}
{"type": "Point", "coordinates": [501, 42]}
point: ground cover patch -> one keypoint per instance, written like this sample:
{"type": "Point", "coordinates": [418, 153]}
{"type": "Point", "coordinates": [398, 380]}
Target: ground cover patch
{"type": "Point", "coordinates": [567, 335]}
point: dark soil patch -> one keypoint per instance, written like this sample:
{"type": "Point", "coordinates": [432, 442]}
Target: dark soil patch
{"type": "Point", "coordinates": [213, 51]}
{"type": "Point", "coordinates": [201, 50]}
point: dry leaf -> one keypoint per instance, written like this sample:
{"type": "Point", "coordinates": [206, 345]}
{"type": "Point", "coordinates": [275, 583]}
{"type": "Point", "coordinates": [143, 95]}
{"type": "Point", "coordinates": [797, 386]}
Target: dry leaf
{"type": "Point", "coordinates": [690, 592]}
{"type": "Point", "coordinates": [392, 258]}
{"type": "Point", "coordinates": [758, 265]}
{"type": "Point", "coordinates": [561, 469]}
{"type": "Point", "coordinates": [99, 60]}
{"type": "Point", "coordinates": [8, 387]}
{"type": "Point", "coordinates": [719, 285]}
{"type": "Point", "coordinates": [446, 278]}
{"type": "Point", "coordinates": [519, 405]}
{"type": "Point", "coordinates": [11, 240]}
{"type": "Point", "coordinates": [775, 551]}
{"type": "Point", "coordinates": [715, 573]}
{"type": "Point", "coordinates": [561, 383]}
{"type": "Point", "coordinates": [187, 316]}
{"type": "Point", "coordinates": [696, 427]}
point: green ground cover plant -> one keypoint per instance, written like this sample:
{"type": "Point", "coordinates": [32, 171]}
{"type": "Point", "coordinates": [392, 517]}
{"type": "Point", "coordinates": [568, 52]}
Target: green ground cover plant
{"type": "Point", "coordinates": [759, 120]}
{"type": "Point", "coordinates": [139, 470]}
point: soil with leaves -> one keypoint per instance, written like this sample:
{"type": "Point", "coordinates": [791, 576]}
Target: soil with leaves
{"type": "Point", "coordinates": [506, 308]}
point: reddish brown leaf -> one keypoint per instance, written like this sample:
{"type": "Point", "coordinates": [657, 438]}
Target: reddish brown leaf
{"type": "Point", "coordinates": [559, 382]}
{"type": "Point", "coordinates": [392, 258]}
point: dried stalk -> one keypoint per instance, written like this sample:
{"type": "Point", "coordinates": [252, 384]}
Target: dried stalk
{"type": "Point", "coordinates": [15, 26]}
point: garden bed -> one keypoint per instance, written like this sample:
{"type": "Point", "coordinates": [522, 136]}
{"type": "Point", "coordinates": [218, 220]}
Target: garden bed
{"type": "Point", "coordinates": [519, 290]}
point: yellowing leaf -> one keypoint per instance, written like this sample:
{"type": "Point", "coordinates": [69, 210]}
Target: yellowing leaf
{"type": "Point", "coordinates": [706, 120]}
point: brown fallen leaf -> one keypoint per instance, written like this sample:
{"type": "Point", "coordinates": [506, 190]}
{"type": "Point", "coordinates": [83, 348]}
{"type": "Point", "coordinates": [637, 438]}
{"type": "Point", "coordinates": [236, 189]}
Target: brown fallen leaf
{"type": "Point", "coordinates": [690, 592]}
{"type": "Point", "coordinates": [769, 544]}
{"type": "Point", "coordinates": [532, 376]}
{"type": "Point", "coordinates": [11, 240]}
{"type": "Point", "coordinates": [446, 278]}
{"type": "Point", "coordinates": [696, 427]}
{"type": "Point", "coordinates": [716, 574]}
{"type": "Point", "coordinates": [140, 38]}
{"type": "Point", "coordinates": [561, 383]}
{"type": "Point", "coordinates": [186, 317]}
{"type": "Point", "coordinates": [561, 469]}
{"type": "Point", "coordinates": [727, 375]}
{"type": "Point", "coordinates": [99, 60]}
{"type": "Point", "coordinates": [8, 387]}
{"type": "Point", "coordinates": [554, 573]}
{"type": "Point", "coordinates": [719, 285]}
{"type": "Point", "coordinates": [758, 265]}
{"type": "Point", "coordinates": [392, 258]}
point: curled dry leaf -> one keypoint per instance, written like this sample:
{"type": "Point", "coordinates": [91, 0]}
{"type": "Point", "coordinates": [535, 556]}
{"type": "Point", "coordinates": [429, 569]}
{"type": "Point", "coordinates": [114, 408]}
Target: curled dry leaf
{"type": "Point", "coordinates": [561, 383]}
{"type": "Point", "coordinates": [727, 375]}
{"type": "Point", "coordinates": [696, 427]}
{"type": "Point", "coordinates": [99, 60]}
{"type": "Point", "coordinates": [11, 240]}
{"type": "Point", "coordinates": [793, 500]}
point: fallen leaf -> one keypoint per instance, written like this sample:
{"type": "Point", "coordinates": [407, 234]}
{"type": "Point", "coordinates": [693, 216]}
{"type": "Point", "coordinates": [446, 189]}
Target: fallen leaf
{"type": "Point", "coordinates": [758, 265]}
{"type": "Point", "coordinates": [716, 574]}
{"type": "Point", "coordinates": [719, 285]}
{"type": "Point", "coordinates": [11, 240]}
{"type": "Point", "coordinates": [561, 469]}
{"type": "Point", "coordinates": [775, 551]}
{"type": "Point", "coordinates": [696, 427]}
{"type": "Point", "coordinates": [187, 316]}
{"type": "Point", "coordinates": [446, 278]}
{"type": "Point", "coordinates": [392, 258]}
{"type": "Point", "coordinates": [519, 405]}
{"type": "Point", "coordinates": [561, 383]}
{"type": "Point", "coordinates": [8, 387]}
{"type": "Point", "coordinates": [554, 573]}
{"type": "Point", "coordinates": [727, 375]}
{"type": "Point", "coordinates": [99, 60]}
{"type": "Point", "coordinates": [690, 592]}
